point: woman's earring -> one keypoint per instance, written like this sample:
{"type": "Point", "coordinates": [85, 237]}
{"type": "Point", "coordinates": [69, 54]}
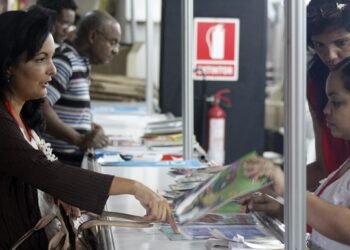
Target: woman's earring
{"type": "Point", "coordinates": [8, 79]}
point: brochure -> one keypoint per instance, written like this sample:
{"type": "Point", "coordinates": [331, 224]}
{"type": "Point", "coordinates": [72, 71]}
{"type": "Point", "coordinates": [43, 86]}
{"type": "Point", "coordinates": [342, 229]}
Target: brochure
{"type": "Point", "coordinates": [202, 229]}
{"type": "Point", "coordinates": [254, 237]}
{"type": "Point", "coordinates": [225, 186]}
{"type": "Point", "coordinates": [169, 126]}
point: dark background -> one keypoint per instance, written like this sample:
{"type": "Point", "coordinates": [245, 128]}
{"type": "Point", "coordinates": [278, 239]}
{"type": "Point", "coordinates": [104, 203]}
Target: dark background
{"type": "Point", "coordinates": [245, 119]}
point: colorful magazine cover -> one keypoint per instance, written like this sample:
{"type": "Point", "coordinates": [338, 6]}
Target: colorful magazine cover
{"type": "Point", "coordinates": [226, 186]}
{"type": "Point", "coordinates": [201, 228]}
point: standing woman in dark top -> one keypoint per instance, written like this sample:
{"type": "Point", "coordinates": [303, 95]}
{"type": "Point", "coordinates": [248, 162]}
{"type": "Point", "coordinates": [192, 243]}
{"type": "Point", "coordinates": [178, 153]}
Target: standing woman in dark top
{"type": "Point", "coordinates": [328, 37]}
{"type": "Point", "coordinates": [26, 166]}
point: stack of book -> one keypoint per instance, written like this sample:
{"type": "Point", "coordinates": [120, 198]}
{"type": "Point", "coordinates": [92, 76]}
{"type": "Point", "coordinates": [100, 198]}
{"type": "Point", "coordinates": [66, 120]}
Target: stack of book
{"type": "Point", "coordinates": [164, 133]}
{"type": "Point", "coordinates": [117, 88]}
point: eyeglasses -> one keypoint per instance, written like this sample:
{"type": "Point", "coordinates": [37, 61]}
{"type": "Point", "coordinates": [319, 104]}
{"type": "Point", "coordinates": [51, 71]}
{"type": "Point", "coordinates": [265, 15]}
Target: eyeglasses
{"type": "Point", "coordinates": [113, 42]}
{"type": "Point", "coordinates": [329, 9]}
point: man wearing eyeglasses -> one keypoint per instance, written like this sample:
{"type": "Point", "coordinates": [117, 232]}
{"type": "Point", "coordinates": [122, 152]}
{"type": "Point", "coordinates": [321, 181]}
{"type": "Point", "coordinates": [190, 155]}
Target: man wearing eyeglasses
{"type": "Point", "coordinates": [67, 106]}
{"type": "Point", "coordinates": [64, 18]}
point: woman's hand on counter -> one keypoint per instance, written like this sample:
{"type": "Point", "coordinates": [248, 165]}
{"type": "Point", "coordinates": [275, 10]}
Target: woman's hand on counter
{"type": "Point", "coordinates": [157, 207]}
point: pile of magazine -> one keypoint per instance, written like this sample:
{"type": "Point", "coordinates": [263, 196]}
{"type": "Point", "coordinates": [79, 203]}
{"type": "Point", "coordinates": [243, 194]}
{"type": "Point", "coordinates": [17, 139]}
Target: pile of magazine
{"type": "Point", "coordinates": [199, 211]}
{"type": "Point", "coordinates": [225, 187]}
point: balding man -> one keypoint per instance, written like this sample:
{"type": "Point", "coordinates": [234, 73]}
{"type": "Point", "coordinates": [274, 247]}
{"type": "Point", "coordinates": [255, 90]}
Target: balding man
{"type": "Point", "coordinates": [67, 106]}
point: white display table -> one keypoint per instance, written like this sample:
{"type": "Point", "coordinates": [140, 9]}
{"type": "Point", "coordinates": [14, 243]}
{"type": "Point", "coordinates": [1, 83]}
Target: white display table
{"type": "Point", "coordinates": [149, 238]}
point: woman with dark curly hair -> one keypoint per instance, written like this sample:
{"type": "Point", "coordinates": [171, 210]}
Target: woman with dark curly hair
{"type": "Point", "coordinates": [332, 197]}
{"type": "Point", "coordinates": [27, 166]}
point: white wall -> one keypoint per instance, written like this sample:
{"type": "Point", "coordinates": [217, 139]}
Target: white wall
{"type": "Point", "coordinates": [87, 5]}
{"type": "Point", "coordinates": [124, 16]}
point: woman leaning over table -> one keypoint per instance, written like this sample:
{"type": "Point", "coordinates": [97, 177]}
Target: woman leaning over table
{"type": "Point", "coordinates": [26, 50]}
{"type": "Point", "coordinates": [328, 40]}
{"type": "Point", "coordinates": [328, 208]}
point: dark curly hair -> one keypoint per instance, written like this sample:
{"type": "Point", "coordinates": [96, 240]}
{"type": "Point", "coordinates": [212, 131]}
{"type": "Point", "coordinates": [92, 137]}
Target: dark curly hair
{"type": "Point", "coordinates": [323, 15]}
{"type": "Point", "coordinates": [23, 33]}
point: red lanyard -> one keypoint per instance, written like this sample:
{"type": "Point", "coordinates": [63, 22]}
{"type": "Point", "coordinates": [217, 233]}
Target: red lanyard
{"type": "Point", "coordinates": [18, 121]}
{"type": "Point", "coordinates": [335, 177]}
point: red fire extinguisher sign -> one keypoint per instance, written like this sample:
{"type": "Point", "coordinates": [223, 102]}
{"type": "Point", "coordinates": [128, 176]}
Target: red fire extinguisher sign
{"type": "Point", "coordinates": [216, 49]}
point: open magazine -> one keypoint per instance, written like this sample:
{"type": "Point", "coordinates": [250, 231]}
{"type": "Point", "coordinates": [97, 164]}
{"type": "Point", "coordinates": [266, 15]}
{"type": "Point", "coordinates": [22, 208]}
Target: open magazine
{"type": "Point", "coordinates": [226, 186]}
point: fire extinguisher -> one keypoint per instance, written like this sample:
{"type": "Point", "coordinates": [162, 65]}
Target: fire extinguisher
{"type": "Point", "coordinates": [216, 126]}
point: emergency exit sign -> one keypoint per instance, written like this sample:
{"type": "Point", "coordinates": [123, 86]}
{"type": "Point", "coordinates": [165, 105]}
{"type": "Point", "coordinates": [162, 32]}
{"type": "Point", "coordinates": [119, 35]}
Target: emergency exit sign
{"type": "Point", "coordinates": [216, 49]}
